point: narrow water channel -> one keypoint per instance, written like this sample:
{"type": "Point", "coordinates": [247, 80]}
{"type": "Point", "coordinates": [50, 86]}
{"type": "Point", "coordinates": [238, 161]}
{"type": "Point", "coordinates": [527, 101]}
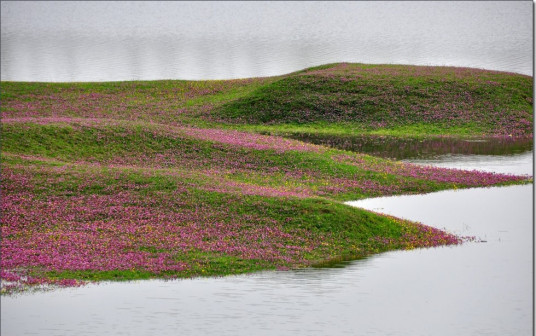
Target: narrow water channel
{"type": "Point", "coordinates": [479, 288]}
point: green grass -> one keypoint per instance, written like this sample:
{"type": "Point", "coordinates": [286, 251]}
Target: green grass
{"type": "Point", "coordinates": [390, 100]}
{"type": "Point", "coordinates": [106, 160]}
{"type": "Point", "coordinates": [417, 130]}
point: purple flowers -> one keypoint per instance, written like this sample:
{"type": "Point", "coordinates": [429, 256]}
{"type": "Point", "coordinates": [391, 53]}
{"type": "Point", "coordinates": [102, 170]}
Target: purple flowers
{"type": "Point", "coordinates": [118, 180]}
{"type": "Point", "coordinates": [254, 141]}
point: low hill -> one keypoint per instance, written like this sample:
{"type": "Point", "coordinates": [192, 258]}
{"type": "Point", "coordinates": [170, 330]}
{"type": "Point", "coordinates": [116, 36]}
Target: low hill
{"type": "Point", "coordinates": [364, 98]}
{"type": "Point", "coordinates": [131, 180]}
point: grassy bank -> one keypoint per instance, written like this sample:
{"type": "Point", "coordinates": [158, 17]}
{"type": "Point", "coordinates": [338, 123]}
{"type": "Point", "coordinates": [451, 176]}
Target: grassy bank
{"type": "Point", "coordinates": [389, 100]}
{"type": "Point", "coordinates": [133, 180]}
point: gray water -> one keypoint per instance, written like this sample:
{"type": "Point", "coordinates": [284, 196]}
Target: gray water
{"type": "Point", "coordinates": [110, 41]}
{"type": "Point", "coordinates": [478, 288]}
{"type": "Point", "coordinates": [393, 147]}
{"type": "Point", "coordinates": [518, 164]}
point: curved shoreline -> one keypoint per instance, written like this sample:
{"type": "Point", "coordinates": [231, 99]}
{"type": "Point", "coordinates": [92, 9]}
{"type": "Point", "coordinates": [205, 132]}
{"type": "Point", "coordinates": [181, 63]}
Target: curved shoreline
{"type": "Point", "coordinates": [171, 193]}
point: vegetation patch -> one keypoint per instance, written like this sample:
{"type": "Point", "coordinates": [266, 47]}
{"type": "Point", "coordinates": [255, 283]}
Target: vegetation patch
{"type": "Point", "coordinates": [391, 99]}
{"type": "Point", "coordinates": [172, 179]}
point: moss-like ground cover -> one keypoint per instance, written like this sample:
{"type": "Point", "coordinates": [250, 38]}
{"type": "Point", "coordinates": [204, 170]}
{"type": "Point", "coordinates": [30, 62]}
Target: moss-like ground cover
{"type": "Point", "coordinates": [136, 180]}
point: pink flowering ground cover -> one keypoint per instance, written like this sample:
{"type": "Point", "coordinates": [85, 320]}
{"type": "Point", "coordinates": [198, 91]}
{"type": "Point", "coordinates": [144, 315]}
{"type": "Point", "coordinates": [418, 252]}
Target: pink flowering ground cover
{"type": "Point", "coordinates": [122, 181]}
{"type": "Point", "coordinates": [396, 99]}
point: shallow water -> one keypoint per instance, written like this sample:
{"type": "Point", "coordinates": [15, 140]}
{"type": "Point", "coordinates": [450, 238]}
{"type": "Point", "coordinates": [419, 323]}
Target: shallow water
{"type": "Point", "coordinates": [401, 148]}
{"type": "Point", "coordinates": [92, 41]}
{"type": "Point", "coordinates": [480, 288]}
{"type": "Point", "coordinates": [518, 164]}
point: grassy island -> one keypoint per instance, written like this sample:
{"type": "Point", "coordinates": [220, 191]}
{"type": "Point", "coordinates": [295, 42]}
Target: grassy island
{"type": "Point", "coordinates": [146, 179]}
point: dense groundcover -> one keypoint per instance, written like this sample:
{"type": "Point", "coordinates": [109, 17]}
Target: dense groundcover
{"type": "Point", "coordinates": [132, 180]}
{"type": "Point", "coordinates": [391, 99]}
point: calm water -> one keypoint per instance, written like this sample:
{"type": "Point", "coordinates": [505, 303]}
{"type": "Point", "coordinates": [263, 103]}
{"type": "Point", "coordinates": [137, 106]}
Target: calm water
{"type": "Point", "coordinates": [431, 148]}
{"type": "Point", "coordinates": [110, 41]}
{"type": "Point", "coordinates": [519, 164]}
{"type": "Point", "coordinates": [475, 289]}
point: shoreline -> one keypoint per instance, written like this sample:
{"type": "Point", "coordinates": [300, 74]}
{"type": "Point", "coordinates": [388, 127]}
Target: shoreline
{"type": "Point", "coordinates": [185, 187]}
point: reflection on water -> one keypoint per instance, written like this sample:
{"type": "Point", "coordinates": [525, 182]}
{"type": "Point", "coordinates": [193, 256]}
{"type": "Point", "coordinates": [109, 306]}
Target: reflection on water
{"type": "Point", "coordinates": [473, 289]}
{"type": "Point", "coordinates": [518, 164]}
{"type": "Point", "coordinates": [410, 148]}
{"type": "Point", "coordinates": [488, 283]}
{"type": "Point", "coordinates": [110, 41]}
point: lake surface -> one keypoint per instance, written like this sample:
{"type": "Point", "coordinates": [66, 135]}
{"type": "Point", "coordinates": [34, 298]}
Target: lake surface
{"type": "Point", "coordinates": [518, 164]}
{"type": "Point", "coordinates": [478, 288]}
{"type": "Point", "coordinates": [426, 148]}
{"type": "Point", "coordinates": [111, 41]}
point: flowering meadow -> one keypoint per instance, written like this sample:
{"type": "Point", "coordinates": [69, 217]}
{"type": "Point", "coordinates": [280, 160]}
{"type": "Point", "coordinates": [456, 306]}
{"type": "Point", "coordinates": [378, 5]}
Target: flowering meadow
{"type": "Point", "coordinates": [137, 180]}
{"type": "Point", "coordinates": [391, 99]}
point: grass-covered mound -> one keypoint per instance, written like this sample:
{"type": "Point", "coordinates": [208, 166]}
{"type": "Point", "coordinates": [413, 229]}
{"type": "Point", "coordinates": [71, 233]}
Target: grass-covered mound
{"type": "Point", "coordinates": [343, 99]}
{"type": "Point", "coordinates": [395, 99]}
{"type": "Point", "coordinates": [135, 180]}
